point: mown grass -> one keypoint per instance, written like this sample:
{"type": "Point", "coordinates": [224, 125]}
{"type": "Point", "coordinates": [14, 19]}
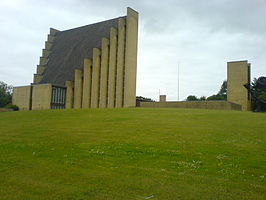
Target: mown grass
{"type": "Point", "coordinates": [132, 154]}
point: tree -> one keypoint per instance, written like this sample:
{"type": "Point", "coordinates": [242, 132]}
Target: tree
{"type": "Point", "coordinates": [5, 94]}
{"type": "Point", "coordinates": [221, 95]}
{"type": "Point", "coordinates": [192, 98]}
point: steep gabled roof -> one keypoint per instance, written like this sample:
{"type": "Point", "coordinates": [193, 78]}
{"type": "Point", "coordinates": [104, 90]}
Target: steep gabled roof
{"type": "Point", "coordinates": [70, 47]}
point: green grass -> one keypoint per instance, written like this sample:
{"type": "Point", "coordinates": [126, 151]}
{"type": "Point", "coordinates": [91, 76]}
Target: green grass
{"type": "Point", "coordinates": [132, 154]}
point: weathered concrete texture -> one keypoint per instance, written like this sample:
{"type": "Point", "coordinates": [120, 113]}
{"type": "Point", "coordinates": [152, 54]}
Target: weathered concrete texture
{"type": "Point", "coordinates": [69, 94]}
{"type": "Point", "coordinates": [50, 38]}
{"type": "Point", "coordinates": [104, 73]}
{"type": "Point", "coordinates": [215, 105]}
{"type": "Point", "coordinates": [86, 97]}
{"type": "Point", "coordinates": [45, 53]}
{"type": "Point", "coordinates": [78, 88]}
{"type": "Point", "coordinates": [120, 63]}
{"type": "Point", "coordinates": [37, 78]}
{"type": "Point", "coordinates": [162, 98]}
{"type": "Point", "coordinates": [21, 97]}
{"type": "Point", "coordinates": [41, 96]}
{"type": "Point", "coordinates": [112, 68]}
{"type": "Point", "coordinates": [40, 69]}
{"type": "Point", "coordinates": [238, 74]}
{"type": "Point", "coordinates": [48, 45]}
{"type": "Point", "coordinates": [43, 61]}
{"type": "Point", "coordinates": [53, 31]}
{"type": "Point", "coordinates": [131, 58]}
{"type": "Point", "coordinates": [96, 63]}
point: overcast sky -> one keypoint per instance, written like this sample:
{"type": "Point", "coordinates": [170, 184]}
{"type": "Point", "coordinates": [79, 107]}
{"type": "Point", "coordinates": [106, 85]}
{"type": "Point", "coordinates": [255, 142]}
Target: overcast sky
{"type": "Point", "coordinates": [202, 36]}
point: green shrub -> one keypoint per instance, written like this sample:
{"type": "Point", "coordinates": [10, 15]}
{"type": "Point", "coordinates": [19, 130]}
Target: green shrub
{"type": "Point", "coordinates": [13, 107]}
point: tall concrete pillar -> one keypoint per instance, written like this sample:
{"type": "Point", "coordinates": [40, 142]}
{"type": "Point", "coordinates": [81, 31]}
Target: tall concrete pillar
{"type": "Point", "coordinates": [86, 97]}
{"type": "Point", "coordinates": [78, 88]}
{"type": "Point", "coordinates": [131, 58]}
{"type": "Point", "coordinates": [112, 68]}
{"type": "Point", "coordinates": [69, 94]}
{"type": "Point", "coordinates": [238, 74]}
{"type": "Point", "coordinates": [104, 73]}
{"type": "Point", "coordinates": [95, 86]}
{"type": "Point", "coordinates": [120, 63]}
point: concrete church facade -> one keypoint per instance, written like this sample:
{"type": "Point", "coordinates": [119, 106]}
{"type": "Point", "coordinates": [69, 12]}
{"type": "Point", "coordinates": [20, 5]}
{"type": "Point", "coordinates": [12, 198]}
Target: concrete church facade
{"type": "Point", "coordinates": [93, 66]}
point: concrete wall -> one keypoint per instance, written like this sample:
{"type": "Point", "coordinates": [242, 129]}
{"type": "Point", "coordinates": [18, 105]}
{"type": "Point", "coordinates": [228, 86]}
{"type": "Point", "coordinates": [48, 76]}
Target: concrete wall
{"type": "Point", "coordinates": [22, 97]}
{"type": "Point", "coordinates": [69, 94]}
{"type": "Point", "coordinates": [41, 96]}
{"type": "Point", "coordinates": [216, 105]}
{"type": "Point", "coordinates": [162, 98]}
{"type": "Point", "coordinates": [78, 88]}
{"type": "Point", "coordinates": [131, 58]}
{"type": "Point", "coordinates": [238, 74]}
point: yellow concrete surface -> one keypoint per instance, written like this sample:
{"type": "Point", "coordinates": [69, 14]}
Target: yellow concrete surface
{"type": "Point", "coordinates": [86, 97]}
{"type": "Point", "coordinates": [69, 94]}
{"type": "Point", "coordinates": [78, 84]}
{"type": "Point", "coordinates": [215, 105]}
{"type": "Point", "coordinates": [21, 97]}
{"type": "Point", "coordinates": [120, 63]}
{"type": "Point", "coordinates": [112, 68]}
{"type": "Point", "coordinates": [162, 98]}
{"type": "Point", "coordinates": [238, 74]}
{"type": "Point", "coordinates": [41, 96]}
{"type": "Point", "coordinates": [96, 63]}
{"type": "Point", "coordinates": [131, 58]}
{"type": "Point", "coordinates": [37, 78]}
{"type": "Point", "coordinates": [104, 73]}
{"type": "Point", "coordinates": [40, 69]}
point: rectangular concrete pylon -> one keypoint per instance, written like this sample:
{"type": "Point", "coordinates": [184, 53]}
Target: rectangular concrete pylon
{"type": "Point", "coordinates": [238, 74]}
{"type": "Point", "coordinates": [95, 84]}
{"type": "Point", "coordinates": [120, 63]}
{"type": "Point", "coordinates": [131, 58]}
{"type": "Point", "coordinates": [104, 73]}
{"type": "Point", "coordinates": [112, 68]}
{"type": "Point", "coordinates": [78, 88]}
{"type": "Point", "coordinates": [86, 97]}
{"type": "Point", "coordinates": [69, 94]}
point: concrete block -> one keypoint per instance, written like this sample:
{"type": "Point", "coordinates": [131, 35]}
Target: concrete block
{"type": "Point", "coordinates": [40, 69]}
{"type": "Point", "coordinates": [50, 38]}
{"type": "Point", "coordinates": [48, 45]}
{"type": "Point", "coordinates": [78, 88]}
{"type": "Point", "coordinates": [104, 73]}
{"type": "Point", "coordinates": [43, 60]}
{"type": "Point", "coordinates": [37, 78]}
{"type": "Point", "coordinates": [120, 63]}
{"type": "Point", "coordinates": [238, 74]}
{"type": "Point", "coordinates": [45, 53]}
{"type": "Point", "coordinates": [22, 97]}
{"type": "Point", "coordinates": [112, 68]}
{"type": "Point", "coordinates": [95, 87]}
{"type": "Point", "coordinates": [69, 94]}
{"type": "Point", "coordinates": [41, 96]}
{"type": "Point", "coordinates": [86, 97]}
{"type": "Point", "coordinates": [131, 58]}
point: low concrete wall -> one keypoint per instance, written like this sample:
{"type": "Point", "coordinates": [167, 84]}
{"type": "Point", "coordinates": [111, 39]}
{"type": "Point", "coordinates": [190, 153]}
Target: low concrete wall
{"type": "Point", "coordinates": [215, 105]}
{"type": "Point", "coordinates": [22, 97]}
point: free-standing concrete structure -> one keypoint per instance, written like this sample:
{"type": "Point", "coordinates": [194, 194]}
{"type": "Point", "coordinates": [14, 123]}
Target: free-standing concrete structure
{"type": "Point", "coordinates": [238, 74]}
{"type": "Point", "coordinates": [95, 64]}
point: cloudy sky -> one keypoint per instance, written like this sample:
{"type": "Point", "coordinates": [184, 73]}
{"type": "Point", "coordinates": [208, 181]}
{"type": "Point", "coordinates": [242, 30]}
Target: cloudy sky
{"type": "Point", "coordinates": [199, 36]}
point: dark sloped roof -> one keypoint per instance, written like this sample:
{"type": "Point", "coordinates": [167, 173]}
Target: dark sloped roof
{"type": "Point", "coordinates": [70, 47]}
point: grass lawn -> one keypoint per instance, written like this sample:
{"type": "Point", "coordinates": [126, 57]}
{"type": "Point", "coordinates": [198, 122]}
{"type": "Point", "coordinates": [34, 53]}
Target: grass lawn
{"type": "Point", "coordinates": [115, 154]}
